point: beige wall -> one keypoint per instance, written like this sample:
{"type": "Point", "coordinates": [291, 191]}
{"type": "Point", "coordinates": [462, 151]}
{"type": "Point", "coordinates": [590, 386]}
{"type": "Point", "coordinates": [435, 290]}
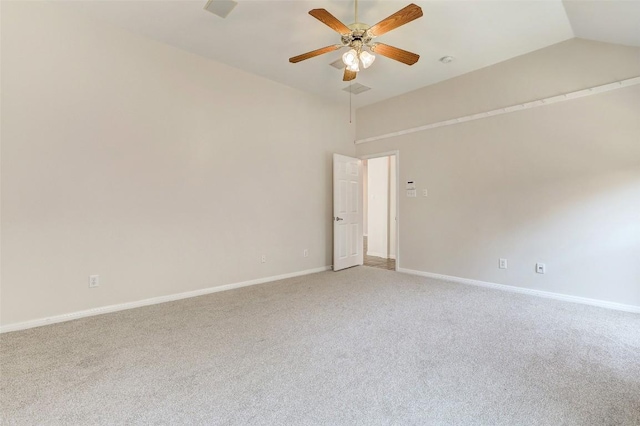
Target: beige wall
{"type": "Point", "coordinates": [559, 184]}
{"type": "Point", "coordinates": [158, 170]}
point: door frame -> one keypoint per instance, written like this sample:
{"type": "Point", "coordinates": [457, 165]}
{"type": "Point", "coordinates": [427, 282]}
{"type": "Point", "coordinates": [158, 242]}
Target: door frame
{"type": "Point", "coordinates": [387, 154]}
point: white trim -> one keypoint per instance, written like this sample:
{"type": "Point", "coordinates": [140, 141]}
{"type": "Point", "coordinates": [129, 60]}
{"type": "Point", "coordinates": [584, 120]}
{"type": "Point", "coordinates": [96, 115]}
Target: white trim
{"type": "Point", "coordinates": [153, 301]}
{"type": "Point", "coordinates": [529, 291]}
{"type": "Point", "coordinates": [379, 155]}
{"type": "Point", "coordinates": [519, 107]}
{"type": "Point", "coordinates": [395, 152]}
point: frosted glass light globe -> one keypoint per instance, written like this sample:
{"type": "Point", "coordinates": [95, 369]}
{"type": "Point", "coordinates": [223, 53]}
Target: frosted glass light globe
{"type": "Point", "coordinates": [367, 59]}
{"type": "Point", "coordinates": [350, 58]}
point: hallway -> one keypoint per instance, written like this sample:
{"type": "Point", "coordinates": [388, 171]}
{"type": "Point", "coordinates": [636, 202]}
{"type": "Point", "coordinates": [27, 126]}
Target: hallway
{"type": "Point", "coordinates": [377, 262]}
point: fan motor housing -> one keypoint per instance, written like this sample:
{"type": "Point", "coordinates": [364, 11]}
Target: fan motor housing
{"type": "Point", "coordinates": [359, 35]}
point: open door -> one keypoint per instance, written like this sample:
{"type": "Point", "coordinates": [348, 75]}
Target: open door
{"type": "Point", "coordinates": [347, 212]}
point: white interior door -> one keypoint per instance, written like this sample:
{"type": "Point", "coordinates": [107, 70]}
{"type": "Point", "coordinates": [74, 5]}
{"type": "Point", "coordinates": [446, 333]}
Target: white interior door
{"type": "Point", "coordinates": [347, 212]}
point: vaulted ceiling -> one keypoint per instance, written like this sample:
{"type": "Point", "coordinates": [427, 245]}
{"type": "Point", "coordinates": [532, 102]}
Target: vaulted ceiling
{"type": "Point", "coordinates": [260, 36]}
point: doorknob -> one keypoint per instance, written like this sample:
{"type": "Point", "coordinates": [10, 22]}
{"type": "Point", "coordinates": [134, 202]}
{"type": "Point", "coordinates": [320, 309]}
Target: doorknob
{"type": "Point", "coordinates": [338, 219]}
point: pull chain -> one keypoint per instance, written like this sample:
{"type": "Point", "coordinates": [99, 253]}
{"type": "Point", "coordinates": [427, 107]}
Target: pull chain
{"type": "Point", "coordinates": [350, 95]}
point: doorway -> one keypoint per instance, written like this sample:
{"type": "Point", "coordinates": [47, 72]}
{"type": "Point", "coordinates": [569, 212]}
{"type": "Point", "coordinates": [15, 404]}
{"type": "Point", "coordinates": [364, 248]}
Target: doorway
{"type": "Point", "coordinates": [380, 193]}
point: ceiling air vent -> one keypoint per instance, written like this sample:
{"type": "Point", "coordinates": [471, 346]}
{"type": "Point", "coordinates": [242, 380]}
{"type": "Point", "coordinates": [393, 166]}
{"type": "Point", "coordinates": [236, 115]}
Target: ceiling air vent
{"type": "Point", "coordinates": [356, 88]}
{"type": "Point", "coordinates": [222, 8]}
{"type": "Point", "coordinates": [338, 64]}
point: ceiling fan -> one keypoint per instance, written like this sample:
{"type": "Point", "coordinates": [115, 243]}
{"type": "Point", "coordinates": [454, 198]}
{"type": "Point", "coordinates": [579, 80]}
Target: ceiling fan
{"type": "Point", "coordinates": [359, 37]}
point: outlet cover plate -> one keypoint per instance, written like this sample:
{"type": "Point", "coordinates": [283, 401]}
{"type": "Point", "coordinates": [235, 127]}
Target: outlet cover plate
{"type": "Point", "coordinates": [94, 281]}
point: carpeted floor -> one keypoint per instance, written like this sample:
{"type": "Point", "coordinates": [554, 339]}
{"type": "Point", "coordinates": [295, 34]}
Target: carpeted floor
{"type": "Point", "coordinates": [362, 346]}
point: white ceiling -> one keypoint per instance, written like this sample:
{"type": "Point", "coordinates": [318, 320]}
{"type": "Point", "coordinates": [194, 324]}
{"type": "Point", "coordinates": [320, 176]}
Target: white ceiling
{"type": "Point", "coordinates": [260, 36]}
{"type": "Point", "coordinates": [609, 21]}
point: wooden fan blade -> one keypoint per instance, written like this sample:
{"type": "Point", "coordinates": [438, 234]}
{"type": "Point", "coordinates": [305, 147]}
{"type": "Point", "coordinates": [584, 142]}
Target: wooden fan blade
{"type": "Point", "coordinates": [349, 75]}
{"type": "Point", "coordinates": [314, 53]}
{"type": "Point", "coordinates": [401, 17]}
{"type": "Point", "coordinates": [329, 20]}
{"type": "Point", "coordinates": [395, 53]}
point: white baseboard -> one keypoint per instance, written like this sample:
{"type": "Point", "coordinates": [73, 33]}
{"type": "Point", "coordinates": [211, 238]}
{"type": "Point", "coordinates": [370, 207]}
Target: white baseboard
{"type": "Point", "coordinates": [382, 255]}
{"type": "Point", "coordinates": [376, 254]}
{"type": "Point", "coordinates": [529, 291]}
{"type": "Point", "coordinates": [153, 301]}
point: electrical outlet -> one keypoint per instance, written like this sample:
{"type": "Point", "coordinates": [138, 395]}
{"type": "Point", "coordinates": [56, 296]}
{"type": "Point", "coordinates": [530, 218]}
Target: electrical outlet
{"type": "Point", "coordinates": [503, 264]}
{"type": "Point", "coordinates": [94, 281]}
{"type": "Point", "coordinates": [305, 252]}
{"type": "Point", "coordinates": [541, 268]}
{"type": "Point", "coordinates": [425, 193]}
{"type": "Point", "coordinates": [263, 258]}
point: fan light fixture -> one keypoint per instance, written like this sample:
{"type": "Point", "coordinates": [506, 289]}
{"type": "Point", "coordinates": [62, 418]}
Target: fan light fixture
{"type": "Point", "coordinates": [350, 58]}
{"type": "Point", "coordinates": [367, 58]}
{"type": "Point", "coordinates": [354, 67]}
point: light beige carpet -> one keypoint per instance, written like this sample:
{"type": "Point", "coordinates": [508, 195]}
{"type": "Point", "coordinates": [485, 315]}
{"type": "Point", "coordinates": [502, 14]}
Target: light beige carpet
{"type": "Point", "coordinates": [358, 347]}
